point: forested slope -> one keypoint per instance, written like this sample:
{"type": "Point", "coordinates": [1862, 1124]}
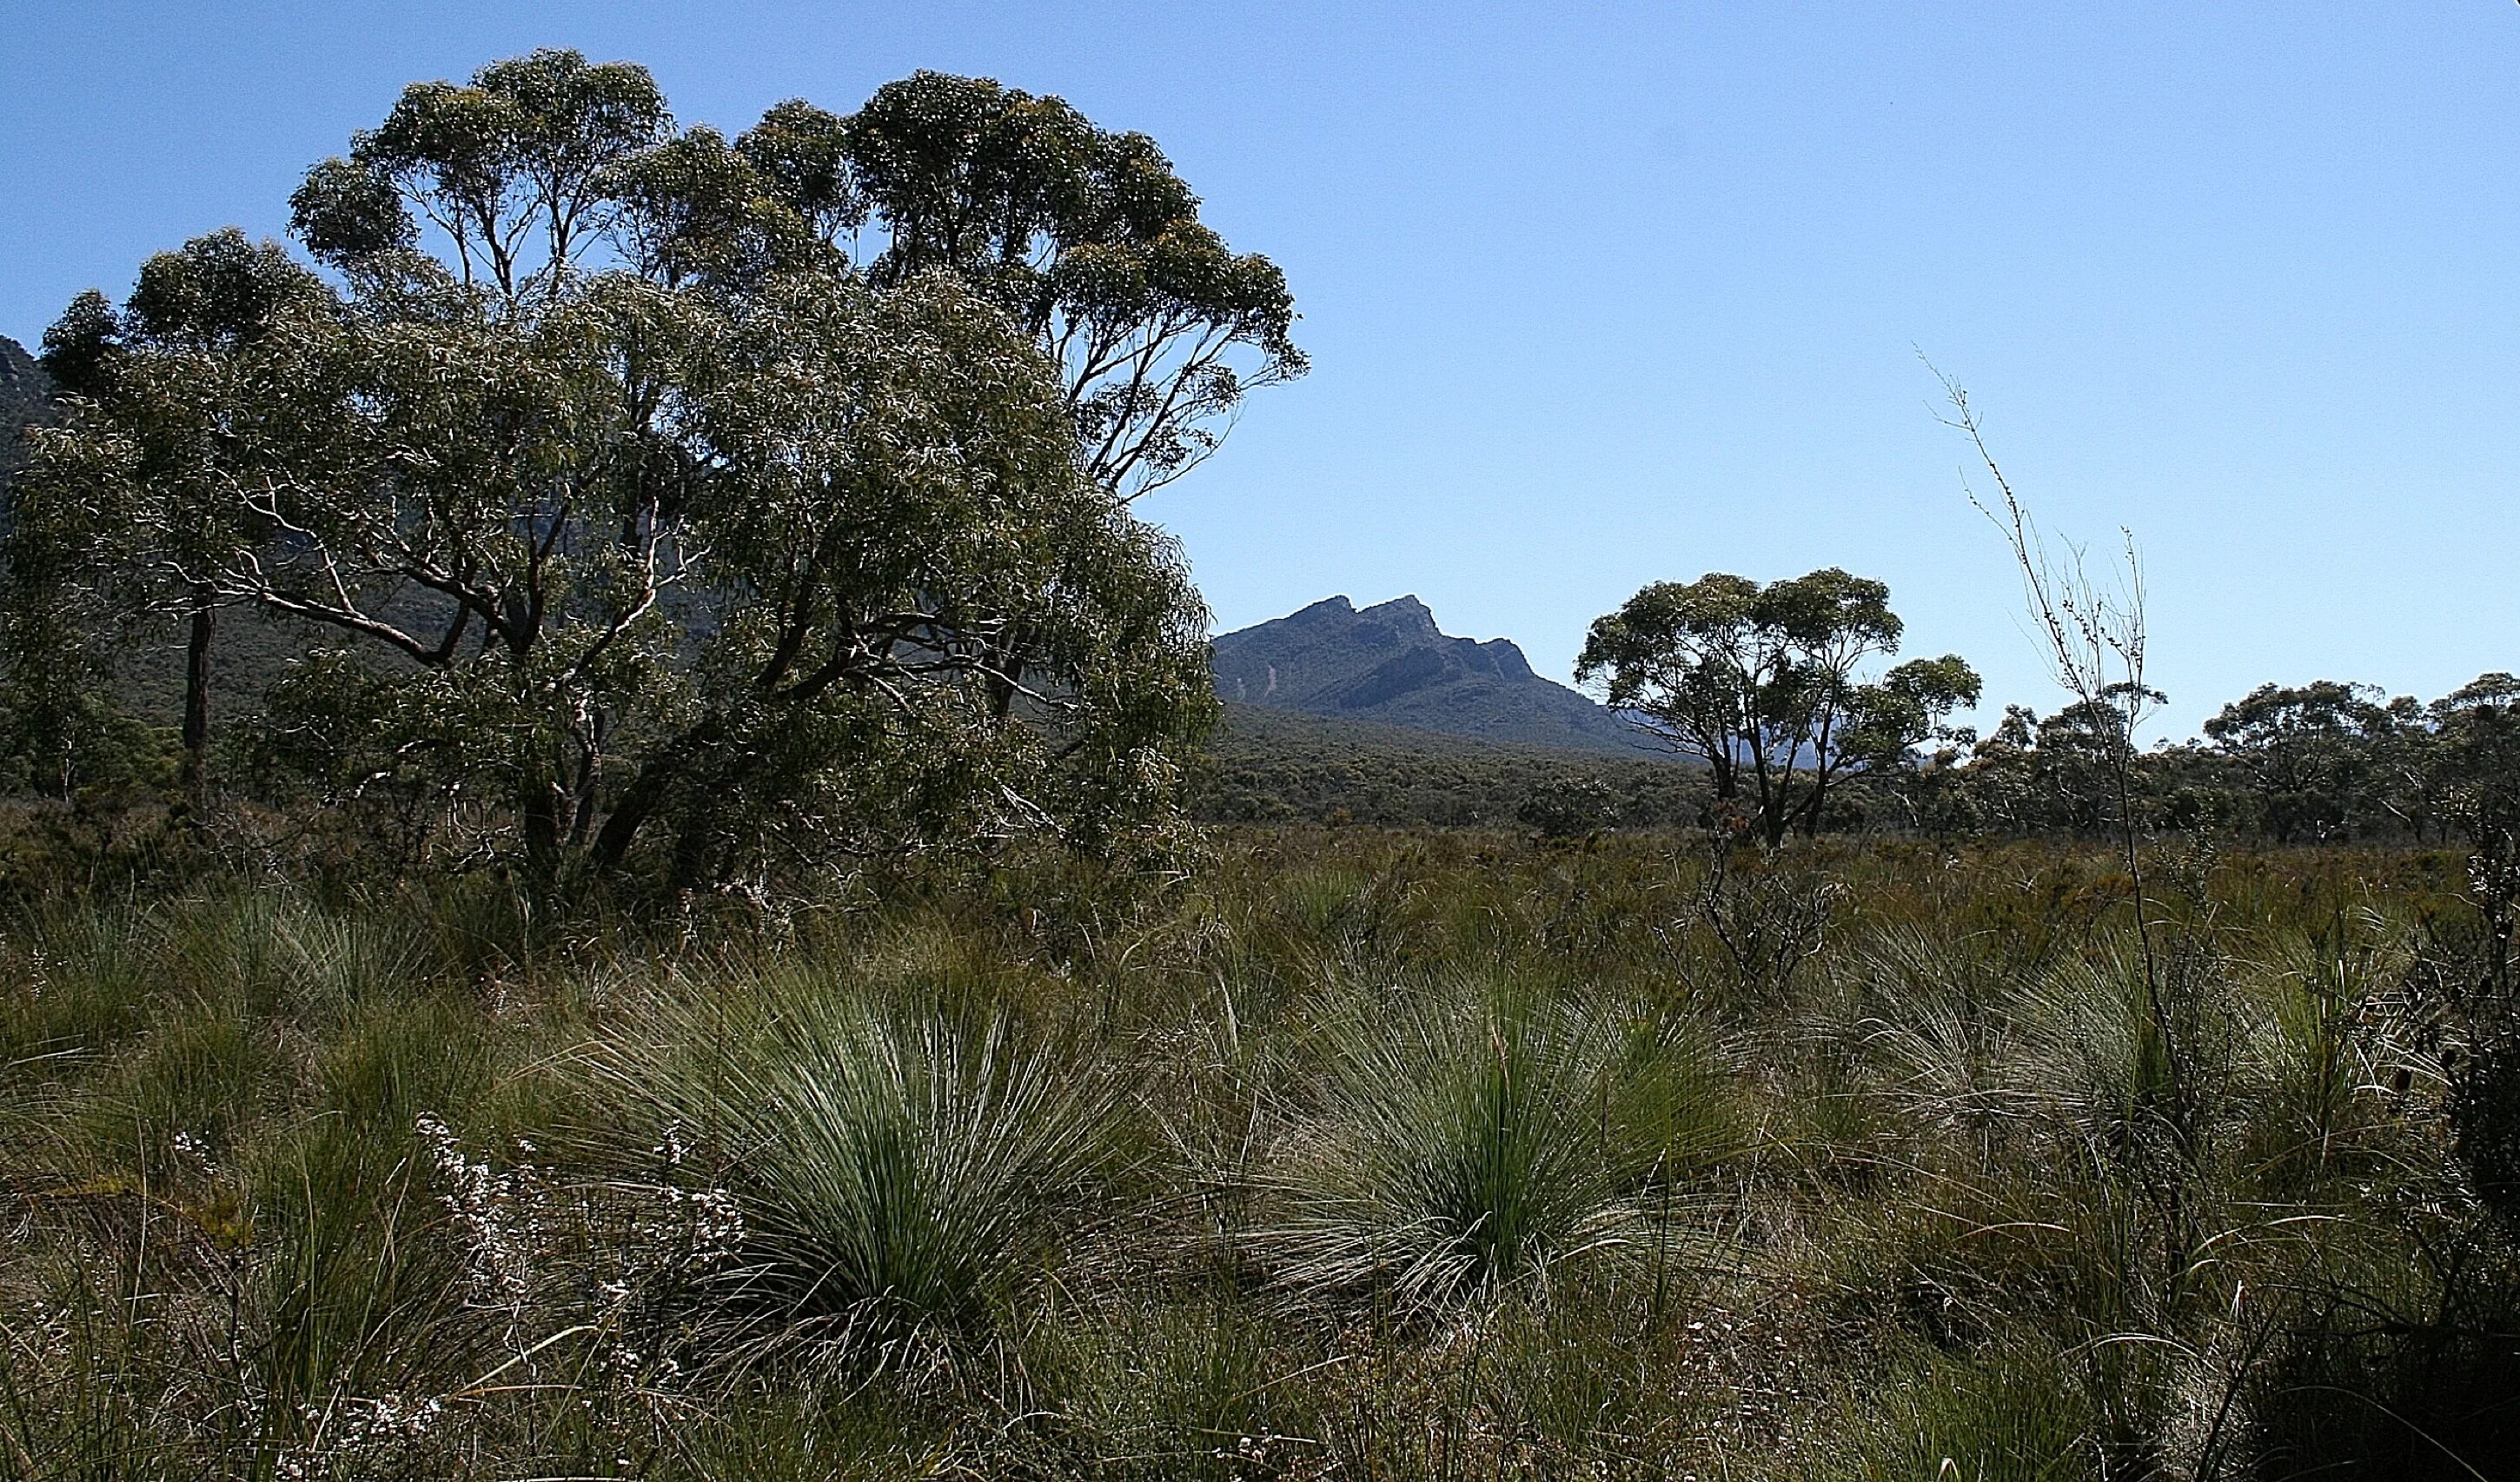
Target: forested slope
{"type": "Point", "coordinates": [1270, 765]}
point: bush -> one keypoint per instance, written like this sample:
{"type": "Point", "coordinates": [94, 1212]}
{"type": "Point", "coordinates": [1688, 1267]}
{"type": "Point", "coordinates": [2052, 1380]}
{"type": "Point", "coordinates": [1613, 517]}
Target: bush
{"type": "Point", "coordinates": [1464, 1140]}
{"type": "Point", "coordinates": [1568, 807]}
{"type": "Point", "coordinates": [898, 1175]}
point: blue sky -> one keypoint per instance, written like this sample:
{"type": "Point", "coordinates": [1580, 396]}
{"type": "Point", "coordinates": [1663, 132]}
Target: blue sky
{"type": "Point", "coordinates": [1600, 294]}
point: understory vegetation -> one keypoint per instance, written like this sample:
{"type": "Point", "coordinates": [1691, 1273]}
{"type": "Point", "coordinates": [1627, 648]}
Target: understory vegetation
{"type": "Point", "coordinates": [1348, 1153]}
{"type": "Point", "coordinates": [1266, 766]}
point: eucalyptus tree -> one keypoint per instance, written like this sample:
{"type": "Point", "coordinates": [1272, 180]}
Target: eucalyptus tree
{"type": "Point", "coordinates": [1087, 238]}
{"type": "Point", "coordinates": [2060, 772]}
{"type": "Point", "coordinates": [2474, 764]}
{"type": "Point", "coordinates": [1903, 738]}
{"type": "Point", "coordinates": [1762, 684]}
{"type": "Point", "coordinates": [637, 519]}
{"type": "Point", "coordinates": [147, 371]}
{"type": "Point", "coordinates": [2315, 755]}
{"type": "Point", "coordinates": [1092, 242]}
{"type": "Point", "coordinates": [514, 171]}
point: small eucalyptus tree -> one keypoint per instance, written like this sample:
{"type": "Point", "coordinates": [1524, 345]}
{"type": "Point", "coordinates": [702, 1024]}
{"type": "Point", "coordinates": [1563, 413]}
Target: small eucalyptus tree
{"type": "Point", "coordinates": [1760, 683]}
{"type": "Point", "coordinates": [2315, 755]}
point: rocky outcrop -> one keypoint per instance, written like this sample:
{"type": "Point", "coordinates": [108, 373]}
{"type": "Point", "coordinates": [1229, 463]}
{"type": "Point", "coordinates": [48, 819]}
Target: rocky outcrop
{"type": "Point", "coordinates": [26, 397]}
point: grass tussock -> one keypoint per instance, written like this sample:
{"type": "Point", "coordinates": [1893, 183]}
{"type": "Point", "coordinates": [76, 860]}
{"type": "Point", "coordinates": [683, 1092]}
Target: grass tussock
{"type": "Point", "coordinates": [1458, 1140]}
{"type": "Point", "coordinates": [897, 1174]}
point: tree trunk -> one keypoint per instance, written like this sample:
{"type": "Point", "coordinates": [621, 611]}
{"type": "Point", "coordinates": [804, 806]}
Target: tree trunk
{"type": "Point", "coordinates": [1813, 804]}
{"type": "Point", "coordinates": [538, 807]}
{"type": "Point", "coordinates": [1728, 781]}
{"type": "Point", "coordinates": [647, 791]}
{"type": "Point", "coordinates": [194, 774]}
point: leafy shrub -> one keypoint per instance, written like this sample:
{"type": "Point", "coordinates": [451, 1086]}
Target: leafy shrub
{"type": "Point", "coordinates": [1568, 807]}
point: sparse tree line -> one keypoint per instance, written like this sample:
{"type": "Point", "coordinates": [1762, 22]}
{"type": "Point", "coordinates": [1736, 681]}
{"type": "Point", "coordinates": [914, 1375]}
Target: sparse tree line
{"type": "Point", "coordinates": [2325, 762]}
{"type": "Point", "coordinates": [643, 500]}
{"type": "Point", "coordinates": [1766, 687]}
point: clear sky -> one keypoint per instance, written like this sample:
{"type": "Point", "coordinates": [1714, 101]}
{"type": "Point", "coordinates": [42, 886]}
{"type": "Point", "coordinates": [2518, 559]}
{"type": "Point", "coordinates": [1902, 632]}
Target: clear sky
{"type": "Point", "coordinates": [1600, 294]}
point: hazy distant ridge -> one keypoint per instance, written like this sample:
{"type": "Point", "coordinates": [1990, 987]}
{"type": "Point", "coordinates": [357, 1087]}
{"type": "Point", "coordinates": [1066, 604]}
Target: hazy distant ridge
{"type": "Point", "coordinates": [1389, 663]}
{"type": "Point", "coordinates": [24, 394]}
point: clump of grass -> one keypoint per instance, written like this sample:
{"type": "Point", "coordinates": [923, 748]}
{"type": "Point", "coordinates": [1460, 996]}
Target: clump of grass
{"type": "Point", "coordinates": [197, 1081]}
{"type": "Point", "coordinates": [1459, 1143]}
{"type": "Point", "coordinates": [1160, 1389]}
{"type": "Point", "coordinates": [898, 1175]}
{"type": "Point", "coordinates": [393, 1063]}
{"type": "Point", "coordinates": [82, 982]}
{"type": "Point", "coordinates": [354, 1294]}
{"type": "Point", "coordinates": [2010, 1414]}
{"type": "Point", "coordinates": [2332, 1058]}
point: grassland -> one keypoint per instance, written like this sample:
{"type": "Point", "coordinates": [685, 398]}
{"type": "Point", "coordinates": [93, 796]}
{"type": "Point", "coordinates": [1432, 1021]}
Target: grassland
{"type": "Point", "coordinates": [1350, 1154]}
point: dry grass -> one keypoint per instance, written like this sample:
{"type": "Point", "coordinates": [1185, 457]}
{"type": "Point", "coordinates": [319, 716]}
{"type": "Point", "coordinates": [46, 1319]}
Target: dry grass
{"type": "Point", "coordinates": [1356, 1156]}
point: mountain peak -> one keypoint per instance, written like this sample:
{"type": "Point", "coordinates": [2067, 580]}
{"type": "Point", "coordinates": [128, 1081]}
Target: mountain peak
{"type": "Point", "coordinates": [1508, 657]}
{"type": "Point", "coordinates": [1406, 617]}
{"type": "Point", "coordinates": [1391, 663]}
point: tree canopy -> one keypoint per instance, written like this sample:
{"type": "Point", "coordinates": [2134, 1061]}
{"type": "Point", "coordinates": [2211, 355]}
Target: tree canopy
{"type": "Point", "coordinates": [1085, 236]}
{"type": "Point", "coordinates": [2317, 755]}
{"type": "Point", "coordinates": [1760, 682]}
{"type": "Point", "coordinates": [639, 513]}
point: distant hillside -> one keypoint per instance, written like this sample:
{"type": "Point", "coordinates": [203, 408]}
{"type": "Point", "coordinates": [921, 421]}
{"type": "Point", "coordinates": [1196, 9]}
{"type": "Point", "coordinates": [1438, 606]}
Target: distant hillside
{"type": "Point", "coordinates": [24, 397]}
{"type": "Point", "coordinates": [1272, 766]}
{"type": "Point", "coordinates": [1390, 664]}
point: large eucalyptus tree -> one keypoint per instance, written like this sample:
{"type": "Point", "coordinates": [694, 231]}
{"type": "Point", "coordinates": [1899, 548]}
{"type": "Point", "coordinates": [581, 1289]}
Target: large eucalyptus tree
{"type": "Point", "coordinates": [660, 499]}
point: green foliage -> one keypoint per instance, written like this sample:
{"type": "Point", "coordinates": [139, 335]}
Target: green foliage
{"type": "Point", "coordinates": [2314, 753]}
{"type": "Point", "coordinates": [1092, 243]}
{"type": "Point", "coordinates": [2010, 1416]}
{"type": "Point", "coordinates": [513, 169]}
{"type": "Point", "coordinates": [2420, 774]}
{"type": "Point", "coordinates": [1269, 766]}
{"type": "Point", "coordinates": [642, 532]}
{"type": "Point", "coordinates": [1759, 683]}
{"type": "Point", "coordinates": [1568, 807]}
{"type": "Point", "coordinates": [897, 1176]}
{"type": "Point", "coordinates": [1458, 1143]}
{"type": "Point", "coordinates": [1431, 1155]}
{"type": "Point", "coordinates": [2474, 767]}
{"type": "Point", "coordinates": [1085, 238]}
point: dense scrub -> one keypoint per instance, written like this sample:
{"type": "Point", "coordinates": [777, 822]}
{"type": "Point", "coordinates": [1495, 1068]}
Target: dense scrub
{"type": "Point", "coordinates": [1352, 1154]}
{"type": "Point", "coordinates": [1266, 766]}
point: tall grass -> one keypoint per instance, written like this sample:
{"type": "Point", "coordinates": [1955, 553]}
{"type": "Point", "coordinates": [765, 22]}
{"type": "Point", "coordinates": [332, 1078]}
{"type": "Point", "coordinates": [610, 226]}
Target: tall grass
{"type": "Point", "coordinates": [1356, 1156]}
{"type": "Point", "coordinates": [1462, 1140]}
{"type": "Point", "coordinates": [898, 1174]}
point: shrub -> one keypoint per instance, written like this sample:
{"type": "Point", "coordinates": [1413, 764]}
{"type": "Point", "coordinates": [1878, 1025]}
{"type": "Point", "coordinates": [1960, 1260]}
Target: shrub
{"type": "Point", "coordinates": [1567, 807]}
{"type": "Point", "coordinates": [898, 1175]}
{"type": "Point", "coordinates": [1462, 1142]}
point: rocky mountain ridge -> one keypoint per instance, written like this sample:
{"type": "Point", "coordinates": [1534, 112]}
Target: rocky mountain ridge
{"type": "Point", "coordinates": [1390, 663]}
{"type": "Point", "coordinates": [26, 395]}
